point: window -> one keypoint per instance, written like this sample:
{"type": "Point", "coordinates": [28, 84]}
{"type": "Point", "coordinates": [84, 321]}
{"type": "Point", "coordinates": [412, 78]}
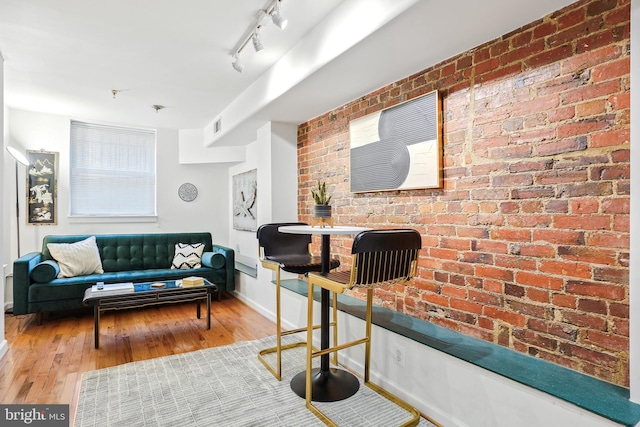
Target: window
{"type": "Point", "coordinates": [113, 171]}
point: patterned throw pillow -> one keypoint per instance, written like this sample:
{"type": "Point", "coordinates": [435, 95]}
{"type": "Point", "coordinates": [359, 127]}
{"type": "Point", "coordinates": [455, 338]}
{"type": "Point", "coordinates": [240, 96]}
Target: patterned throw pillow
{"type": "Point", "coordinates": [187, 256]}
{"type": "Point", "coordinates": [77, 259]}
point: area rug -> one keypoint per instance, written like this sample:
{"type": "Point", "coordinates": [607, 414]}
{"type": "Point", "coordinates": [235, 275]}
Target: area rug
{"type": "Point", "coordinates": [222, 386]}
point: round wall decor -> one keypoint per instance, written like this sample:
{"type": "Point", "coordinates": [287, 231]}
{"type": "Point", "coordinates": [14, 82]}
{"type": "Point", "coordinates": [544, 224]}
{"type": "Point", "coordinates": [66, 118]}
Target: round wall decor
{"type": "Point", "coordinates": [188, 192]}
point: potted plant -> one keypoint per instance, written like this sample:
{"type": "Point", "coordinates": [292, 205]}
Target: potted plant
{"type": "Point", "coordinates": [322, 198]}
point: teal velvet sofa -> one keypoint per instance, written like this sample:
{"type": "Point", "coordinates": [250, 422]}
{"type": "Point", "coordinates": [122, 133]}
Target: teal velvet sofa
{"type": "Point", "coordinates": [125, 258]}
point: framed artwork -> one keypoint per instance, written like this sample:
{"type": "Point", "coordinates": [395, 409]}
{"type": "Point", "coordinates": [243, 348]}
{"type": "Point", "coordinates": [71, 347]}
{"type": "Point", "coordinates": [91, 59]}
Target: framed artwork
{"type": "Point", "coordinates": [398, 148]}
{"type": "Point", "coordinates": [42, 188]}
{"type": "Point", "coordinates": [245, 195]}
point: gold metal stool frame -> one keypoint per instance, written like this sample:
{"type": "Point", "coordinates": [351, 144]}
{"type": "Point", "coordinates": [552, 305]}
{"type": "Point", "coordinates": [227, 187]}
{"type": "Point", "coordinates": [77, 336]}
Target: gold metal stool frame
{"type": "Point", "coordinates": [393, 260]}
{"type": "Point", "coordinates": [269, 236]}
{"type": "Point", "coordinates": [279, 348]}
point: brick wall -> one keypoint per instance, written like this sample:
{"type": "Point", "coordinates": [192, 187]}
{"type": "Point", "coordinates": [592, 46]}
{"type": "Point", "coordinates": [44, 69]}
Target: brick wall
{"type": "Point", "coordinates": [527, 243]}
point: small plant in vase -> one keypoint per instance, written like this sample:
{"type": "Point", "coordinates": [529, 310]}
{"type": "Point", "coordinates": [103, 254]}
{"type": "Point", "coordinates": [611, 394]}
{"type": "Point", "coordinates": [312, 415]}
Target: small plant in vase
{"type": "Point", "coordinates": [322, 209]}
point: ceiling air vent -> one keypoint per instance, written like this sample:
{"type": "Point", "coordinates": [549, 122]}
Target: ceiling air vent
{"type": "Point", "coordinates": [217, 126]}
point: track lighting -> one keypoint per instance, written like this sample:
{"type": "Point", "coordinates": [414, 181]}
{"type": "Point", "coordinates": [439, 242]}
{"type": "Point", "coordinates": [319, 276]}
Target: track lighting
{"type": "Point", "coordinates": [253, 34]}
{"type": "Point", "coordinates": [257, 44]}
{"type": "Point", "coordinates": [236, 63]}
{"type": "Point", "coordinates": [277, 18]}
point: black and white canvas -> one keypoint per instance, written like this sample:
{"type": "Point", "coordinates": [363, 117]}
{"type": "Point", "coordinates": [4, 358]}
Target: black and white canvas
{"type": "Point", "coordinates": [398, 148]}
{"type": "Point", "coordinates": [41, 187]}
{"type": "Point", "coordinates": [245, 206]}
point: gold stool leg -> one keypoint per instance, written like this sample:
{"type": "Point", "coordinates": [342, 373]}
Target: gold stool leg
{"type": "Point", "coordinates": [308, 387]}
{"type": "Point", "coordinates": [367, 346]}
{"type": "Point", "coordinates": [279, 348]}
{"type": "Point", "coordinates": [415, 415]}
{"type": "Point", "coordinates": [277, 371]}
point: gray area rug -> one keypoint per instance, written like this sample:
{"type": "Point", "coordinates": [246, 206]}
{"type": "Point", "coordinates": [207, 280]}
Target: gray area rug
{"type": "Point", "coordinates": [222, 386]}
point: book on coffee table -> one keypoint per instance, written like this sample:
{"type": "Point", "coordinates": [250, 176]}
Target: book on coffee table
{"type": "Point", "coordinates": [191, 281]}
{"type": "Point", "coordinates": [113, 288]}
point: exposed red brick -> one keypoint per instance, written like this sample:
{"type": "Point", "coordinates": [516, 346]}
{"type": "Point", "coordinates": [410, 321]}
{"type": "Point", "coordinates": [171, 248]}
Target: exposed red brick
{"type": "Point", "coordinates": [584, 320]}
{"type": "Point", "coordinates": [567, 269]}
{"type": "Point", "coordinates": [538, 295]}
{"type": "Point", "coordinates": [549, 56]}
{"type": "Point", "coordinates": [527, 243]}
{"type": "Point", "coordinates": [562, 330]}
{"type": "Point", "coordinates": [618, 205]}
{"type": "Point", "coordinates": [594, 289]}
{"type": "Point", "coordinates": [538, 251]}
{"type": "Point", "coordinates": [587, 254]}
{"type": "Point", "coordinates": [563, 300]}
{"type": "Point", "coordinates": [597, 8]}
{"type": "Point", "coordinates": [539, 280]}
{"type": "Point", "coordinates": [608, 341]}
{"type": "Point", "coordinates": [619, 310]}
{"type": "Point", "coordinates": [612, 70]}
{"type": "Point", "coordinates": [571, 19]}
{"type": "Point", "coordinates": [465, 305]}
{"type": "Point", "coordinates": [611, 138]}
{"type": "Point", "coordinates": [586, 93]}
{"type": "Point", "coordinates": [610, 274]}
{"type": "Point", "coordinates": [592, 306]}
{"type": "Point", "coordinates": [583, 222]}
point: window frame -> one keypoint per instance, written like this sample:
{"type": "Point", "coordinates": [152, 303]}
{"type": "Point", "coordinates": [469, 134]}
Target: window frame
{"type": "Point", "coordinates": [77, 214]}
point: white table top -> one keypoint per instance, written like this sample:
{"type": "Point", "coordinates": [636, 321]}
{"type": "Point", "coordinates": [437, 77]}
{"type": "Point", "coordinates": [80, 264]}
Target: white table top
{"type": "Point", "coordinates": [307, 229]}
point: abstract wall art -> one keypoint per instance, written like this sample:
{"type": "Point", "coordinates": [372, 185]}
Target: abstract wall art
{"type": "Point", "coordinates": [245, 197]}
{"type": "Point", "coordinates": [398, 148]}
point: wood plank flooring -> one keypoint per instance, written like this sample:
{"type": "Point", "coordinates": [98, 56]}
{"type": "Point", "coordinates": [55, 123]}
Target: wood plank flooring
{"type": "Point", "coordinates": [44, 364]}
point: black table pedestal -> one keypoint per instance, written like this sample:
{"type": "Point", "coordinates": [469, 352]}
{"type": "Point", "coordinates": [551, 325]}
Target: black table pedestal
{"type": "Point", "coordinates": [327, 384]}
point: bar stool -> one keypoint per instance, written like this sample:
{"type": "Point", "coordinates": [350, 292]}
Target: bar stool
{"type": "Point", "coordinates": [288, 252]}
{"type": "Point", "coordinates": [378, 257]}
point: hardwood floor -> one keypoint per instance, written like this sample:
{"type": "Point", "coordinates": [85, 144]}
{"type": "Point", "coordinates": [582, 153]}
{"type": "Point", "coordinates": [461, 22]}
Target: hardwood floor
{"type": "Point", "coordinates": [44, 364]}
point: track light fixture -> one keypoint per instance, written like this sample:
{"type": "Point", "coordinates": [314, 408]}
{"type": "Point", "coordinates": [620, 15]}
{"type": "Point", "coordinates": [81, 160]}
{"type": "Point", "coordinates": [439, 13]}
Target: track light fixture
{"type": "Point", "coordinates": [257, 44]}
{"type": "Point", "coordinates": [277, 18]}
{"type": "Point", "coordinates": [236, 63]}
{"type": "Point", "coordinates": [253, 34]}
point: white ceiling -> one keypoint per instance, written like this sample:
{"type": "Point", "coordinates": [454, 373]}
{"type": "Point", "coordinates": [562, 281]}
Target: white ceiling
{"type": "Point", "coordinates": [65, 56]}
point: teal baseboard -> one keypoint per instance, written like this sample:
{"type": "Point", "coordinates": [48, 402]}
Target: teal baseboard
{"type": "Point", "coordinates": [599, 397]}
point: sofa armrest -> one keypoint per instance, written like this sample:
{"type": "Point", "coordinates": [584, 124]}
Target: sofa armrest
{"type": "Point", "coordinates": [230, 266]}
{"type": "Point", "coordinates": [22, 279]}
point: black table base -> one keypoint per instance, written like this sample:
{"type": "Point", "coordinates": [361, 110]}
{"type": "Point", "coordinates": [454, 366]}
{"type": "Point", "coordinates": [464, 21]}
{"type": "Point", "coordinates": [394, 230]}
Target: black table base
{"type": "Point", "coordinates": [326, 386]}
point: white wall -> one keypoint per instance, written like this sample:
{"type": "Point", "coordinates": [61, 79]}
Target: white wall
{"type": "Point", "coordinates": [208, 212]}
{"type": "Point", "coordinates": [274, 155]}
{"type": "Point", "coordinates": [3, 227]}
{"type": "Point", "coordinates": [634, 269]}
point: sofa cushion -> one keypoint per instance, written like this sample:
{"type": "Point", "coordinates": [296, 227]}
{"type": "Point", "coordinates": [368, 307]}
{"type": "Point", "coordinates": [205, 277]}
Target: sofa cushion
{"type": "Point", "coordinates": [45, 271]}
{"type": "Point", "coordinates": [77, 259]}
{"type": "Point", "coordinates": [187, 256]}
{"type": "Point", "coordinates": [213, 260]}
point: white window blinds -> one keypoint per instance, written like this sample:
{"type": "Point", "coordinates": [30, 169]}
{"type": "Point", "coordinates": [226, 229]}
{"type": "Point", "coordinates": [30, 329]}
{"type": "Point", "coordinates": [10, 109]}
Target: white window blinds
{"type": "Point", "coordinates": [113, 171]}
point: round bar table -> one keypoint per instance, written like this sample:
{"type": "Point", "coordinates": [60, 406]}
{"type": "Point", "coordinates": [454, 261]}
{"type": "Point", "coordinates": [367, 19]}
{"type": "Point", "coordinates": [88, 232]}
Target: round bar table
{"type": "Point", "coordinates": [329, 384]}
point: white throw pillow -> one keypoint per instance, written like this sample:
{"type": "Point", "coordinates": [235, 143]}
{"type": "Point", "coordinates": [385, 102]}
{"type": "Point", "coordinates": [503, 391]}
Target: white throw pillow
{"type": "Point", "coordinates": [187, 256]}
{"type": "Point", "coordinates": [77, 259]}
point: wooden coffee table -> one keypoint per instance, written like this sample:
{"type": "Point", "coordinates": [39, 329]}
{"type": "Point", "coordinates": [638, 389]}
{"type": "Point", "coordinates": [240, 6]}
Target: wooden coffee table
{"type": "Point", "coordinates": [145, 295]}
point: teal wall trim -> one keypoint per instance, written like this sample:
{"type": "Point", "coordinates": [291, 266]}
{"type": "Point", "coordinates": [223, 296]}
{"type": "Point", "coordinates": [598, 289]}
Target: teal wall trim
{"type": "Point", "coordinates": [246, 269]}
